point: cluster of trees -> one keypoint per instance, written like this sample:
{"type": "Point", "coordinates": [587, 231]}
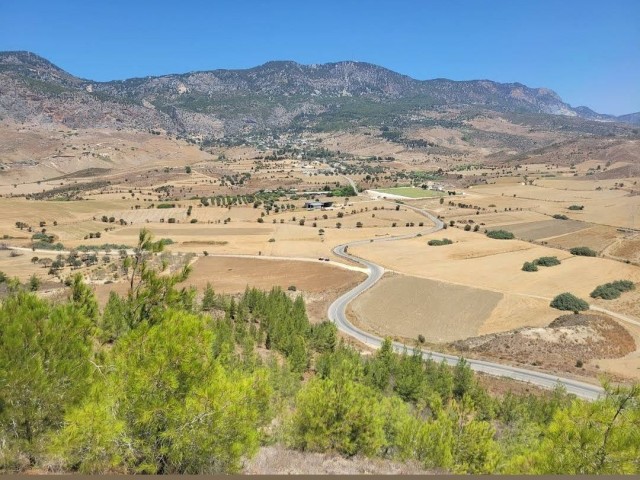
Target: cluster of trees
{"type": "Point", "coordinates": [542, 261]}
{"type": "Point", "coordinates": [437, 243]}
{"type": "Point", "coordinates": [609, 291]}
{"type": "Point", "coordinates": [500, 234]}
{"type": "Point", "coordinates": [161, 382]}
{"type": "Point", "coordinates": [568, 301]}
{"type": "Point", "coordinates": [583, 251]}
{"type": "Point", "coordinates": [42, 241]}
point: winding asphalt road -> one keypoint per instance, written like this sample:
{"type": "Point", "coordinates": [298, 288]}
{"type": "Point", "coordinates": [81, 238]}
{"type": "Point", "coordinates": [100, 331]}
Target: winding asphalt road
{"type": "Point", "coordinates": [337, 314]}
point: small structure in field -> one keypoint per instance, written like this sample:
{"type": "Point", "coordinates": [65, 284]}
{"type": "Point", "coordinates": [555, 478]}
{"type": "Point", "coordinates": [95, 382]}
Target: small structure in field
{"type": "Point", "coordinates": [318, 205]}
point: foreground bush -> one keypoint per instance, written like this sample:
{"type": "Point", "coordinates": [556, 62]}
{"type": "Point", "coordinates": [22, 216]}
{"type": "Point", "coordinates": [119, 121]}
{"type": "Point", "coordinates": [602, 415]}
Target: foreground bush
{"type": "Point", "coordinates": [167, 405]}
{"type": "Point", "coordinates": [500, 234]}
{"type": "Point", "coordinates": [568, 301]}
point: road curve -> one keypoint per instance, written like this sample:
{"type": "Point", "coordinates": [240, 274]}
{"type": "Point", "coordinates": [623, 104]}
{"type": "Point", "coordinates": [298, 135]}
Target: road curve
{"type": "Point", "coordinates": [337, 314]}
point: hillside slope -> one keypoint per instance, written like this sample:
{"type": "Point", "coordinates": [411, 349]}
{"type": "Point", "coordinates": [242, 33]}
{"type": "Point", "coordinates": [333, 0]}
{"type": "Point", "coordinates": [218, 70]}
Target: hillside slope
{"type": "Point", "coordinates": [276, 96]}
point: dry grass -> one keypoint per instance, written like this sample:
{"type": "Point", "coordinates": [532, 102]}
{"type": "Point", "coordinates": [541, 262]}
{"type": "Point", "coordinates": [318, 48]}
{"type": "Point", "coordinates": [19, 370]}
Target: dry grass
{"type": "Point", "coordinates": [408, 306]}
{"type": "Point", "coordinates": [627, 249]}
{"type": "Point", "coordinates": [495, 265]}
{"type": "Point", "coordinates": [544, 228]}
{"type": "Point", "coordinates": [278, 460]}
{"type": "Point", "coordinates": [597, 237]}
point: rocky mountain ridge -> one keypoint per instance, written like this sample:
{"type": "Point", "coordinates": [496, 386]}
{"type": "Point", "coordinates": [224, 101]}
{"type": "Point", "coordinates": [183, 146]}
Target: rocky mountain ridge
{"type": "Point", "coordinates": [279, 95]}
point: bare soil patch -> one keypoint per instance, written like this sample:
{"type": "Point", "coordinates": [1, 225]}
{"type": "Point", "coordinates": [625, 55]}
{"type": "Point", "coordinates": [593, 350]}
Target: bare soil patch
{"type": "Point", "coordinates": [566, 345]}
{"type": "Point", "coordinates": [410, 306]}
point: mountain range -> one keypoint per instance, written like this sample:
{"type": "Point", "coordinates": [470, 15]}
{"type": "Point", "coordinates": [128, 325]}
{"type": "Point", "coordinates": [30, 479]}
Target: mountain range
{"type": "Point", "coordinates": [277, 96]}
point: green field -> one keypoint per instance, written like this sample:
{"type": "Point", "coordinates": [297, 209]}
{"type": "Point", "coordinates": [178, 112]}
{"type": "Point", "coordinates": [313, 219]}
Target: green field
{"type": "Point", "coordinates": [411, 192]}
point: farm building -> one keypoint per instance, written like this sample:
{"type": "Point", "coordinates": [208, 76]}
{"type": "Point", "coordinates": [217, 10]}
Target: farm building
{"type": "Point", "coordinates": [317, 205]}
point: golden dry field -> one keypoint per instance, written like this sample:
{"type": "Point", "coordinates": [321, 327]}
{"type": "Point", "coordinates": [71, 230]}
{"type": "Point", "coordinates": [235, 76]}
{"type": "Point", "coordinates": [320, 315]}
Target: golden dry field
{"type": "Point", "coordinates": [96, 190]}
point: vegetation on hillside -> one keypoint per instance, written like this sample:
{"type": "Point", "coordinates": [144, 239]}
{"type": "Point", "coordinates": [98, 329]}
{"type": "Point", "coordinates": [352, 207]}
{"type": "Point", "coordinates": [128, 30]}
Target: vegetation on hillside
{"type": "Point", "coordinates": [161, 382]}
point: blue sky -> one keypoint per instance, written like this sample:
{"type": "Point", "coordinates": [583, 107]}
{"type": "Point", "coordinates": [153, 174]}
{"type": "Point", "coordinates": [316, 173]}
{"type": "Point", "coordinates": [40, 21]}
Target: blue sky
{"type": "Point", "coordinates": [587, 51]}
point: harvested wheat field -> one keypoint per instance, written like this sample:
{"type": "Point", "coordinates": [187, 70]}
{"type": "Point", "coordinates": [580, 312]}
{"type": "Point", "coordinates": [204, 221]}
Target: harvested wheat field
{"type": "Point", "coordinates": [409, 306]}
{"type": "Point", "coordinates": [544, 229]}
{"type": "Point", "coordinates": [476, 261]}
{"type": "Point", "coordinates": [597, 237]}
{"type": "Point", "coordinates": [627, 249]}
{"type": "Point", "coordinates": [232, 275]}
{"type": "Point", "coordinates": [514, 311]}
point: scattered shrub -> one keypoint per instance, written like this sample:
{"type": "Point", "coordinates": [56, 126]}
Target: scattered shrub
{"type": "Point", "coordinates": [558, 216]}
{"type": "Point", "coordinates": [529, 267]}
{"type": "Point", "coordinates": [547, 261]}
{"type": "Point", "coordinates": [624, 285]}
{"type": "Point", "coordinates": [437, 243]}
{"type": "Point", "coordinates": [609, 291]}
{"type": "Point", "coordinates": [569, 302]}
{"type": "Point", "coordinates": [500, 234]}
{"type": "Point", "coordinates": [583, 251]}
{"type": "Point", "coordinates": [576, 207]}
